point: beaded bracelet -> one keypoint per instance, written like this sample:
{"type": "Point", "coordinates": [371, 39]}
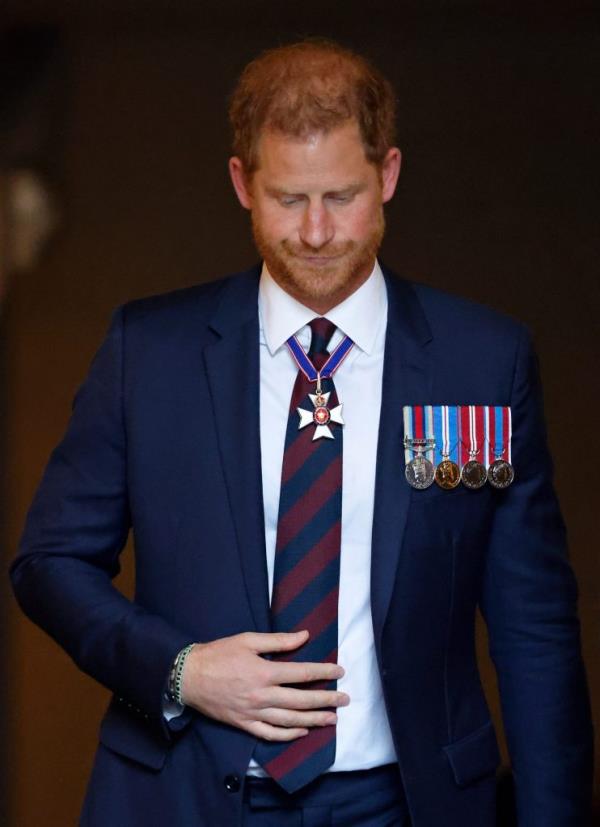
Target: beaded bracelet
{"type": "Point", "coordinates": [176, 675]}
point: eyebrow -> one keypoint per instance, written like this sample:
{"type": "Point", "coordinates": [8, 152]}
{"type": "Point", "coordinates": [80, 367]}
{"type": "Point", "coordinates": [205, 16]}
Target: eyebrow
{"type": "Point", "coordinates": [351, 189]}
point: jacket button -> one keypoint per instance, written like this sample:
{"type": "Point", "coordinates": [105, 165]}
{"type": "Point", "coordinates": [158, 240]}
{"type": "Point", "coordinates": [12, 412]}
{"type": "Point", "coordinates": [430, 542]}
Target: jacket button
{"type": "Point", "coordinates": [232, 783]}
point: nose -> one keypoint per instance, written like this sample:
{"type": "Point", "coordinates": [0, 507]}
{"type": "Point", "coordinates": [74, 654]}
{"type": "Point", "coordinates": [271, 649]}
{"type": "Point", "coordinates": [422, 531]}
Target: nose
{"type": "Point", "coordinates": [316, 229]}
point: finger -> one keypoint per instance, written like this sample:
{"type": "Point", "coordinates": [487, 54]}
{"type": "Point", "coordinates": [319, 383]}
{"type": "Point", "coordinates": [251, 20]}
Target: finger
{"type": "Point", "coordinates": [275, 641]}
{"type": "Point", "coordinates": [285, 697]}
{"type": "Point", "coordinates": [290, 672]}
{"type": "Point", "coordinates": [294, 718]}
{"type": "Point", "coordinates": [271, 733]}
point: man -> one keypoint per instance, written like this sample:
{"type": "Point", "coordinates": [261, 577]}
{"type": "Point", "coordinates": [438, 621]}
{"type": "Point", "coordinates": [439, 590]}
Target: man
{"type": "Point", "coordinates": [301, 645]}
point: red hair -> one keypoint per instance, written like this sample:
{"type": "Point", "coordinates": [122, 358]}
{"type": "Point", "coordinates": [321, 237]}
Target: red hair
{"type": "Point", "coordinates": [307, 87]}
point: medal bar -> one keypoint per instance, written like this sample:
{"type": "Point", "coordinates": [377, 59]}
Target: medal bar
{"type": "Point", "coordinates": [450, 444]}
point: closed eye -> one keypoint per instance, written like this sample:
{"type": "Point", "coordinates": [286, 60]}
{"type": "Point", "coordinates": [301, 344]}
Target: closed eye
{"type": "Point", "coordinates": [289, 200]}
{"type": "Point", "coordinates": [343, 196]}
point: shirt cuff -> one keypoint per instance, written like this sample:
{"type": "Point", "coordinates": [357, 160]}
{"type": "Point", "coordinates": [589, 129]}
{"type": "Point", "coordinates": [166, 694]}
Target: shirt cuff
{"type": "Point", "coordinates": [171, 709]}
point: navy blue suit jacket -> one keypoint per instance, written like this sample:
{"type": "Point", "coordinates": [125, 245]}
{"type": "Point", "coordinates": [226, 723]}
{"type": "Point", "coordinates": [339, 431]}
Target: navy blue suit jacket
{"type": "Point", "coordinates": [164, 439]}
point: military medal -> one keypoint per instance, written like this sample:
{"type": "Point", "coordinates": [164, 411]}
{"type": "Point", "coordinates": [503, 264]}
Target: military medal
{"type": "Point", "coordinates": [473, 474]}
{"type": "Point", "coordinates": [321, 416]}
{"type": "Point", "coordinates": [447, 472]}
{"type": "Point", "coordinates": [419, 440]}
{"type": "Point", "coordinates": [450, 444]}
{"type": "Point", "coordinates": [419, 472]}
{"type": "Point", "coordinates": [500, 473]}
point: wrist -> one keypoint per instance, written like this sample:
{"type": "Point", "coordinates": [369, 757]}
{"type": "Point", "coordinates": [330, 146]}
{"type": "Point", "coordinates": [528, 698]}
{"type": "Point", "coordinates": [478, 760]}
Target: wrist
{"type": "Point", "coordinates": [175, 682]}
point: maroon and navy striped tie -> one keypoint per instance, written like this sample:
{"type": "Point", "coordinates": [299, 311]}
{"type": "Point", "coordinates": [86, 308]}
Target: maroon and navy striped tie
{"type": "Point", "coordinates": [307, 564]}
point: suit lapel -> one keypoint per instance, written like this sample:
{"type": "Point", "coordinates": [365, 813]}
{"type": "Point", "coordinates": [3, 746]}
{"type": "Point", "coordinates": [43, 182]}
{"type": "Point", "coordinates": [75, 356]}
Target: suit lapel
{"type": "Point", "coordinates": [232, 368]}
{"type": "Point", "coordinates": [407, 380]}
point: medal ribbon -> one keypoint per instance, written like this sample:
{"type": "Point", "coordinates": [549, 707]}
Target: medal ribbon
{"type": "Point", "coordinates": [464, 425]}
{"type": "Point", "coordinates": [406, 415]}
{"type": "Point", "coordinates": [445, 421]}
{"type": "Point", "coordinates": [476, 430]}
{"type": "Point", "coordinates": [408, 433]}
{"type": "Point", "coordinates": [498, 433]}
{"type": "Point", "coordinates": [507, 433]}
{"type": "Point", "coordinates": [461, 432]}
{"type": "Point", "coordinates": [419, 425]}
{"type": "Point", "coordinates": [429, 432]}
{"type": "Point", "coordinates": [440, 430]}
{"type": "Point", "coordinates": [331, 365]}
{"type": "Point", "coordinates": [489, 438]}
{"type": "Point", "coordinates": [499, 419]}
{"type": "Point", "coordinates": [450, 413]}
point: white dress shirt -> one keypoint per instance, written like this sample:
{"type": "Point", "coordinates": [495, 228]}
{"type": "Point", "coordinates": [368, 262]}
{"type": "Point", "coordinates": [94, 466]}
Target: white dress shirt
{"type": "Point", "coordinates": [363, 738]}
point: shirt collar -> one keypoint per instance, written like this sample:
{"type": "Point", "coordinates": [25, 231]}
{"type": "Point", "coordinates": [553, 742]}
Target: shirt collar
{"type": "Point", "coordinates": [358, 316]}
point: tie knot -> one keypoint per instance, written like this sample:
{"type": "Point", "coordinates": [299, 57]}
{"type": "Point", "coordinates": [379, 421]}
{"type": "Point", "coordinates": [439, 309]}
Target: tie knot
{"type": "Point", "coordinates": [322, 331]}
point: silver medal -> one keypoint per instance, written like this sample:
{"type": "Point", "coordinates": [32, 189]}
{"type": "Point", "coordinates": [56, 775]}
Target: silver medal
{"type": "Point", "coordinates": [320, 416]}
{"type": "Point", "coordinates": [500, 473]}
{"type": "Point", "coordinates": [419, 472]}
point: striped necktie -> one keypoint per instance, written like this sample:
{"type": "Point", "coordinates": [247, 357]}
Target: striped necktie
{"type": "Point", "coordinates": [307, 564]}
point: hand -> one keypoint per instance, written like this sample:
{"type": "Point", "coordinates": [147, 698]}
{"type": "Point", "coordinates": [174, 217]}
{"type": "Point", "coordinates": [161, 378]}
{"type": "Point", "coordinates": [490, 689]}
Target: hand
{"type": "Point", "coordinates": [228, 679]}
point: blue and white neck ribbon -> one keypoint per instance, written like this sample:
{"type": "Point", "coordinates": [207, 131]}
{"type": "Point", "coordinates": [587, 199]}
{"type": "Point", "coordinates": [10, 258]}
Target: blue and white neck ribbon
{"type": "Point", "coordinates": [331, 365]}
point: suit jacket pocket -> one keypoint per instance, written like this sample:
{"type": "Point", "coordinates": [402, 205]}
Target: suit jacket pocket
{"type": "Point", "coordinates": [474, 756]}
{"type": "Point", "coordinates": [133, 736]}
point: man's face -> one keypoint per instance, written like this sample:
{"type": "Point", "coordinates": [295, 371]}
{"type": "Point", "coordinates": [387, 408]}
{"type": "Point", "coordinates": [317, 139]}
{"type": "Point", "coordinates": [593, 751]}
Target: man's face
{"type": "Point", "coordinates": [317, 211]}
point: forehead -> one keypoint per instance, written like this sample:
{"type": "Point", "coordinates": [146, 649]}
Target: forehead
{"type": "Point", "coordinates": [334, 157]}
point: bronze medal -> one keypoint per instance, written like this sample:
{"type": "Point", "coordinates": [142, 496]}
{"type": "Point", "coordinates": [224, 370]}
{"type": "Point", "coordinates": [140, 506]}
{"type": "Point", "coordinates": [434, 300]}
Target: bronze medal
{"type": "Point", "coordinates": [473, 474]}
{"type": "Point", "coordinates": [500, 473]}
{"type": "Point", "coordinates": [447, 474]}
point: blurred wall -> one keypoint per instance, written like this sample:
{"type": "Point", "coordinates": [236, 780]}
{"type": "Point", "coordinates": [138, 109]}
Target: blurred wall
{"type": "Point", "coordinates": [497, 201]}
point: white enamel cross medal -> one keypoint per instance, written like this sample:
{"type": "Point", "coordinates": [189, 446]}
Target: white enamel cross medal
{"type": "Point", "coordinates": [321, 416]}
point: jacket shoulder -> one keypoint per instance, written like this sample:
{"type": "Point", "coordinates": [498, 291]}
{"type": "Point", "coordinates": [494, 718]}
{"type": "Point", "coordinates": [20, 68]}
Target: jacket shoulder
{"type": "Point", "coordinates": [449, 314]}
{"type": "Point", "coordinates": [474, 350]}
{"type": "Point", "coordinates": [198, 302]}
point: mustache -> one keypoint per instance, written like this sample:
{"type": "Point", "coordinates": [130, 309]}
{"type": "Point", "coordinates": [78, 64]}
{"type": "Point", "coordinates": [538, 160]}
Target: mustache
{"type": "Point", "coordinates": [331, 251]}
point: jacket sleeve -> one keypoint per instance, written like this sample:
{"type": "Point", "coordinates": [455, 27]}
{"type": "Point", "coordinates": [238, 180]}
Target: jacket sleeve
{"type": "Point", "coordinates": [69, 553]}
{"type": "Point", "coordinates": [530, 607]}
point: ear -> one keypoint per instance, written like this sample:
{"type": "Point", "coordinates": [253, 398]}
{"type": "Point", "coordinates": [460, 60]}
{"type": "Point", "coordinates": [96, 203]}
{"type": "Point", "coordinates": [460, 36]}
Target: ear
{"type": "Point", "coordinates": [240, 182]}
{"type": "Point", "coordinates": [390, 170]}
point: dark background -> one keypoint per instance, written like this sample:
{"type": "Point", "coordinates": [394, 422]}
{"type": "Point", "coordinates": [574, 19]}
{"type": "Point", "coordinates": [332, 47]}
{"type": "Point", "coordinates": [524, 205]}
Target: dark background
{"type": "Point", "coordinates": [121, 106]}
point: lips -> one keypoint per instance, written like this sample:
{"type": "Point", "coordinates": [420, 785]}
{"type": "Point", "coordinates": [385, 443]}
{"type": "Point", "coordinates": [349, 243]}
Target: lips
{"type": "Point", "coordinates": [319, 259]}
